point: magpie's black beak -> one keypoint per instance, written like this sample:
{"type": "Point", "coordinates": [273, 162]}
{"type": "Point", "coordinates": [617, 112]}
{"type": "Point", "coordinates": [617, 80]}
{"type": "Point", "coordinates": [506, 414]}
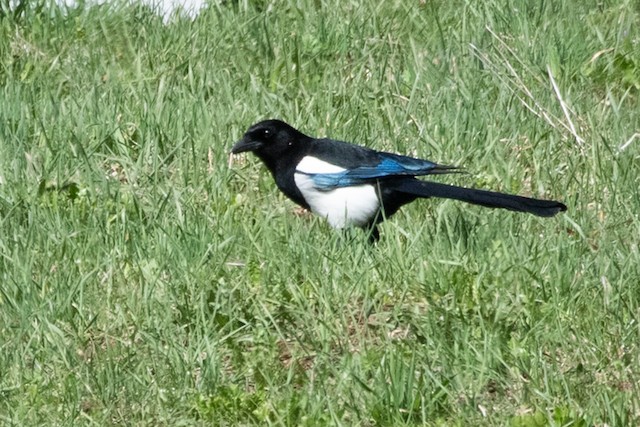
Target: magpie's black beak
{"type": "Point", "coordinates": [245, 145]}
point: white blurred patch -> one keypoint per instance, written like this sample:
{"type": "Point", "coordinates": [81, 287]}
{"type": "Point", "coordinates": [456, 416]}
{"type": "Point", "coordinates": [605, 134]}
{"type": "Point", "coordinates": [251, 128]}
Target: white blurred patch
{"type": "Point", "coordinates": [165, 8]}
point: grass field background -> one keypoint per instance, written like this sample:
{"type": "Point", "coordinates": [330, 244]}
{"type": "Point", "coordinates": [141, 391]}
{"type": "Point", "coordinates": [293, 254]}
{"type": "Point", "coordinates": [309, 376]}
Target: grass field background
{"type": "Point", "coordinates": [146, 280]}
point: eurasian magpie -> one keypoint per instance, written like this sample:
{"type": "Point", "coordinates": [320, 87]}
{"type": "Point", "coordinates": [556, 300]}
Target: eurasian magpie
{"type": "Point", "coordinates": [351, 185]}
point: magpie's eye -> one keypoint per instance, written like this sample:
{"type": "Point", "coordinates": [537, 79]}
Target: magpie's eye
{"type": "Point", "coordinates": [266, 133]}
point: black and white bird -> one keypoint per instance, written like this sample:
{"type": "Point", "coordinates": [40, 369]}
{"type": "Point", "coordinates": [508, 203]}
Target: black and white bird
{"type": "Point", "coordinates": [351, 185]}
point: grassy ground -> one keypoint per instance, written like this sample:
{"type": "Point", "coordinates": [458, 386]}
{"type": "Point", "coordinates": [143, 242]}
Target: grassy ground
{"type": "Point", "coordinates": [145, 281]}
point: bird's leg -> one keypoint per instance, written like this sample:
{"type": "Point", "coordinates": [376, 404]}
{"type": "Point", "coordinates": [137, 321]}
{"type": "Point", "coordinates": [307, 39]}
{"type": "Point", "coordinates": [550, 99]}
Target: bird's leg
{"type": "Point", "coordinates": [374, 234]}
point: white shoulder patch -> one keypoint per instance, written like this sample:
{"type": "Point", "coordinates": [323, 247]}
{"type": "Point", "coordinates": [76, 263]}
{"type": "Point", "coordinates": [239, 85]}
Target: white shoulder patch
{"type": "Point", "coordinates": [356, 205]}
{"type": "Point", "coordinates": [310, 164]}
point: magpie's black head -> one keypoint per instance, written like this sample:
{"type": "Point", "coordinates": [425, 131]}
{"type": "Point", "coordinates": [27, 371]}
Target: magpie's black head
{"type": "Point", "coordinates": [268, 138]}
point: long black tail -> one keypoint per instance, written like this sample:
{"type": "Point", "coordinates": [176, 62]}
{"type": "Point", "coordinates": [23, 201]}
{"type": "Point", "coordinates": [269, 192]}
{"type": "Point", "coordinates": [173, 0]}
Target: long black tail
{"type": "Point", "coordinates": [491, 199]}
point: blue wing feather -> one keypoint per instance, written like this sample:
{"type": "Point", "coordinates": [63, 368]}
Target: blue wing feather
{"type": "Point", "coordinates": [390, 165]}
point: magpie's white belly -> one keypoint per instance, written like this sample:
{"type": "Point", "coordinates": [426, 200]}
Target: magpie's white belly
{"type": "Point", "coordinates": [346, 206]}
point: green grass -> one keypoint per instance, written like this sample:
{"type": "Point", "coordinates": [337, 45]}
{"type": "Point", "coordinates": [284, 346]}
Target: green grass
{"type": "Point", "coordinates": [144, 281]}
